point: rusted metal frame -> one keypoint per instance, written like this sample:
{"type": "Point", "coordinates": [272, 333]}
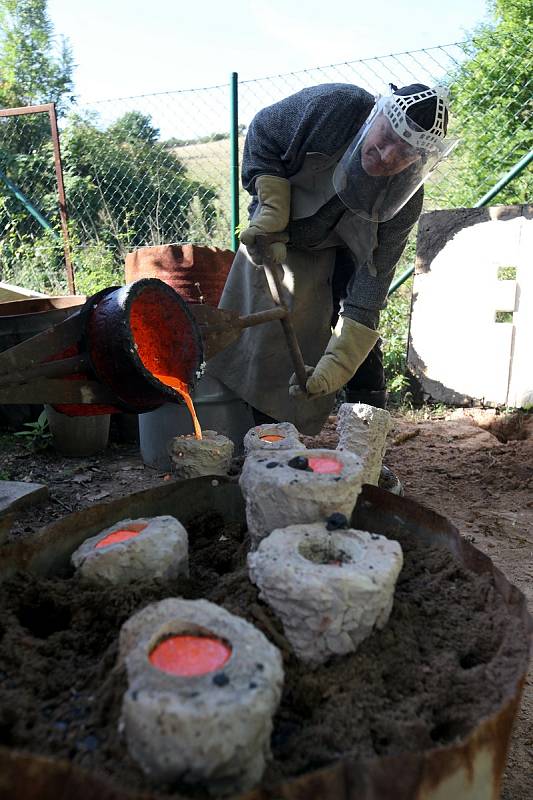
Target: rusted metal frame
{"type": "Point", "coordinates": [31, 352]}
{"type": "Point", "coordinates": [57, 390]}
{"type": "Point", "coordinates": [17, 112]}
{"type": "Point", "coordinates": [220, 327]}
{"type": "Point", "coordinates": [61, 196]}
{"type": "Point", "coordinates": [50, 369]}
{"type": "Point", "coordinates": [214, 320]}
{"type": "Point", "coordinates": [50, 109]}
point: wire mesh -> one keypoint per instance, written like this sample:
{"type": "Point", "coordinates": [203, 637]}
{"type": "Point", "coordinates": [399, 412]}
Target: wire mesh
{"type": "Point", "coordinates": [155, 168]}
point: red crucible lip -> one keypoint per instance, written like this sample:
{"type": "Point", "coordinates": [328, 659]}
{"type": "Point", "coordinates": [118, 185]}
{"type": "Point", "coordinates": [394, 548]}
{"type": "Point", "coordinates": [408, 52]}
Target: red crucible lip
{"type": "Point", "coordinates": [188, 655]}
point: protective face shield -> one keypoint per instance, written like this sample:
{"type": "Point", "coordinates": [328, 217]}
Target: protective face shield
{"type": "Point", "coordinates": [391, 156]}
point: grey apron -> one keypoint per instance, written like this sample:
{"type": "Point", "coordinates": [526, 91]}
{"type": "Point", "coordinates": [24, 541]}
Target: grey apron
{"type": "Point", "coordinates": [258, 366]}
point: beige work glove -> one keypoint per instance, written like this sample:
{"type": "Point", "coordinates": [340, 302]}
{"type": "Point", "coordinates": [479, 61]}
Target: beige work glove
{"type": "Point", "coordinates": [348, 347]}
{"type": "Point", "coordinates": [271, 217]}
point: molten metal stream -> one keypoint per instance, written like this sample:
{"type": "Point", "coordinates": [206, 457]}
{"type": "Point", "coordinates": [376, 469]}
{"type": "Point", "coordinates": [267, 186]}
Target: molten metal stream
{"type": "Point", "coordinates": [181, 387]}
{"type": "Point", "coordinates": [190, 655]}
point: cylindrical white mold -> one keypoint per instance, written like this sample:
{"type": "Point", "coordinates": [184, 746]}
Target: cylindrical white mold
{"type": "Point", "coordinates": [203, 715]}
{"type": "Point", "coordinates": [363, 430]}
{"type": "Point", "coordinates": [329, 588]}
{"type": "Point", "coordinates": [133, 549]}
{"type": "Point", "coordinates": [192, 457]}
{"type": "Point", "coordinates": [277, 436]}
{"type": "Point", "coordinates": [298, 486]}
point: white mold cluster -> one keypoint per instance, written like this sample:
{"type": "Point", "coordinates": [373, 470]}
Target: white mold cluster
{"type": "Point", "coordinates": [278, 494]}
{"type": "Point", "coordinates": [329, 588]}
{"type": "Point", "coordinates": [212, 729]}
{"type": "Point", "coordinates": [159, 550]}
{"type": "Point", "coordinates": [363, 430]}
{"type": "Point", "coordinates": [192, 457]}
{"type": "Point", "coordinates": [254, 440]}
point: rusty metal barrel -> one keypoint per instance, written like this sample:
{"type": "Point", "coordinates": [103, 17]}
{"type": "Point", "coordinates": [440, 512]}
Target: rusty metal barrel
{"type": "Point", "coordinates": [469, 767]}
{"type": "Point", "coordinates": [197, 272]}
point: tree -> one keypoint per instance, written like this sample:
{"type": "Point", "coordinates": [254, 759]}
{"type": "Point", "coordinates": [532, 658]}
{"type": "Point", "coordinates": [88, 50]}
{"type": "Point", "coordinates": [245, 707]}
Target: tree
{"type": "Point", "coordinates": [127, 192]}
{"type": "Point", "coordinates": [32, 69]}
{"type": "Point", "coordinates": [134, 127]}
{"type": "Point", "coordinates": [492, 106]}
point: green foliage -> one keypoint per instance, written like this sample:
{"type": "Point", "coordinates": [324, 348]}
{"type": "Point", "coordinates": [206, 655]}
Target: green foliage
{"type": "Point", "coordinates": [492, 106]}
{"type": "Point", "coordinates": [127, 192]}
{"type": "Point", "coordinates": [134, 127]}
{"type": "Point", "coordinates": [96, 267]}
{"type": "Point", "coordinates": [35, 262]}
{"type": "Point", "coordinates": [394, 328]}
{"type": "Point", "coordinates": [37, 435]}
{"type": "Point", "coordinates": [211, 137]}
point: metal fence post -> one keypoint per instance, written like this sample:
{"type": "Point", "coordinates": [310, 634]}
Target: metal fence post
{"type": "Point", "coordinates": [234, 159]}
{"type": "Point", "coordinates": [61, 197]}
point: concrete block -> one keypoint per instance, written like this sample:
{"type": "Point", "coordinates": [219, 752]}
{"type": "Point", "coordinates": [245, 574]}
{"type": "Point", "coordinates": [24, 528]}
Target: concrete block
{"type": "Point", "coordinates": [15, 495]}
{"type": "Point", "coordinates": [463, 346]}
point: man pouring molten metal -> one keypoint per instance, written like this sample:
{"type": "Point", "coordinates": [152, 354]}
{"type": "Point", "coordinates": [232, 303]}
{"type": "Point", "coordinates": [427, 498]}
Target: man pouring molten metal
{"type": "Point", "coordinates": [336, 178]}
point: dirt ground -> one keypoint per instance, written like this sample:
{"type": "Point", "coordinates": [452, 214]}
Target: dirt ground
{"type": "Point", "coordinates": [473, 466]}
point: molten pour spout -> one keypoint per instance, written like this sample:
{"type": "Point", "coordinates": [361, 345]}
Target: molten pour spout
{"type": "Point", "coordinates": [181, 387]}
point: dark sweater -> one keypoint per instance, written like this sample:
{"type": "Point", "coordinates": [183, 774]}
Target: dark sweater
{"type": "Point", "coordinates": [323, 119]}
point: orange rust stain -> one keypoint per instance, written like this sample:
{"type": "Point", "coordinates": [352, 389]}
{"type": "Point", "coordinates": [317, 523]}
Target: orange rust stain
{"type": "Point", "coordinates": [121, 535]}
{"type": "Point", "coordinates": [190, 655]}
{"type": "Point", "coordinates": [324, 465]}
{"type": "Point", "coordinates": [181, 387]}
{"type": "Point", "coordinates": [271, 437]}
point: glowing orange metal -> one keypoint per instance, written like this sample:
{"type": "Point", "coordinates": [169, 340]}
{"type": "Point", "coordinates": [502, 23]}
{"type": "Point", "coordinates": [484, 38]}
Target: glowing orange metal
{"type": "Point", "coordinates": [324, 465]}
{"type": "Point", "coordinates": [271, 437]}
{"type": "Point", "coordinates": [121, 535]}
{"type": "Point", "coordinates": [182, 389]}
{"type": "Point", "coordinates": [190, 655]}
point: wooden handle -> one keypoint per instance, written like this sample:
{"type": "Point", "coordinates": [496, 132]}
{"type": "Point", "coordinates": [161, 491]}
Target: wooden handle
{"type": "Point", "coordinates": [273, 278]}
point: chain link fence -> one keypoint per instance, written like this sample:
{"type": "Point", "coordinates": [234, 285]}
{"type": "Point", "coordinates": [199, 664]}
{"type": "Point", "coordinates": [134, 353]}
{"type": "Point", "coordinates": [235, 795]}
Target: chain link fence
{"type": "Point", "coordinates": [156, 168]}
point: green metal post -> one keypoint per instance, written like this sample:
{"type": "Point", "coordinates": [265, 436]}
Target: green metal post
{"type": "Point", "coordinates": [28, 205]}
{"type": "Point", "coordinates": [234, 160]}
{"type": "Point", "coordinates": [516, 170]}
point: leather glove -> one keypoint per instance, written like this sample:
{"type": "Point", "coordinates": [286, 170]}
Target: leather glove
{"type": "Point", "coordinates": [271, 217]}
{"type": "Point", "coordinates": [294, 387]}
{"type": "Point", "coordinates": [348, 347]}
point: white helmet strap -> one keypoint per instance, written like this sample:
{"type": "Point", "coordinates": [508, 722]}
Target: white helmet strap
{"type": "Point", "coordinates": [395, 108]}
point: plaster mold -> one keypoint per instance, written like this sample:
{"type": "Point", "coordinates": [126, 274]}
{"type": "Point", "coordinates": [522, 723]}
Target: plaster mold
{"type": "Point", "coordinates": [211, 729]}
{"type": "Point", "coordinates": [363, 430]}
{"type": "Point", "coordinates": [255, 440]}
{"type": "Point", "coordinates": [158, 550]}
{"type": "Point", "coordinates": [329, 588]}
{"type": "Point", "coordinates": [280, 493]}
{"type": "Point", "coordinates": [191, 457]}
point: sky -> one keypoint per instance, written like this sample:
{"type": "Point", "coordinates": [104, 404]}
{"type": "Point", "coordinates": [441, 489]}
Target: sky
{"type": "Point", "coordinates": [131, 47]}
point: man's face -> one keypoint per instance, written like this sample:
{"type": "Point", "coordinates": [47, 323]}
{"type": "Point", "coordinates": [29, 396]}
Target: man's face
{"type": "Point", "coordinates": [383, 152]}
